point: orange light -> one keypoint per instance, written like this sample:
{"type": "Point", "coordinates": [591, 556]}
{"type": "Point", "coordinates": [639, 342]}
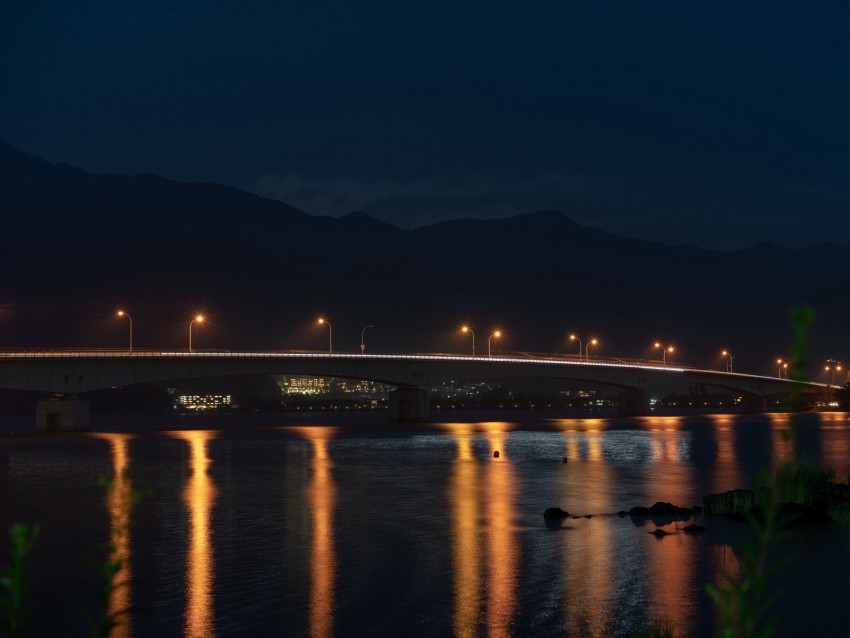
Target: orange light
{"type": "Point", "coordinates": [573, 337]}
{"type": "Point", "coordinates": [593, 342]}
{"type": "Point", "coordinates": [321, 320]}
{"type": "Point", "coordinates": [657, 345]}
{"type": "Point", "coordinates": [465, 329]}
{"type": "Point", "coordinates": [199, 318]}
{"type": "Point", "coordinates": [121, 313]}
{"type": "Point", "coordinates": [497, 334]}
{"type": "Point", "coordinates": [670, 349]}
{"type": "Point", "coordinates": [725, 353]}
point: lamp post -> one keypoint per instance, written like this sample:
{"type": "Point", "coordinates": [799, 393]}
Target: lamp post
{"type": "Point", "coordinates": [782, 366]}
{"type": "Point", "coordinates": [496, 334]}
{"type": "Point", "coordinates": [121, 313]}
{"type": "Point", "coordinates": [362, 338]}
{"type": "Point", "coordinates": [469, 330]}
{"type": "Point", "coordinates": [664, 351]}
{"type": "Point", "coordinates": [831, 366]}
{"type": "Point", "coordinates": [575, 338]}
{"type": "Point", "coordinates": [729, 360]}
{"type": "Point", "coordinates": [197, 319]}
{"type": "Point", "coordinates": [592, 342]}
{"type": "Point", "coordinates": [324, 321]}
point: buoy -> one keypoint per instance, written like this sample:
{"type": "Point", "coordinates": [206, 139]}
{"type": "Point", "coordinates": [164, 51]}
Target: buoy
{"type": "Point", "coordinates": [565, 459]}
{"type": "Point", "coordinates": [496, 454]}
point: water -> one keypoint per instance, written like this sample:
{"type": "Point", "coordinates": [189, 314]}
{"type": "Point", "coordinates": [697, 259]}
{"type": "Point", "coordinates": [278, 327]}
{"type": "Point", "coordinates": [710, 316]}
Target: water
{"type": "Point", "coordinates": [356, 528]}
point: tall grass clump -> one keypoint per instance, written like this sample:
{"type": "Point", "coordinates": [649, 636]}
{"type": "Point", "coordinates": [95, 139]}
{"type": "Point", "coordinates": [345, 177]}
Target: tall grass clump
{"type": "Point", "coordinates": [15, 613]}
{"type": "Point", "coordinates": [798, 483]}
{"type": "Point", "coordinates": [745, 606]}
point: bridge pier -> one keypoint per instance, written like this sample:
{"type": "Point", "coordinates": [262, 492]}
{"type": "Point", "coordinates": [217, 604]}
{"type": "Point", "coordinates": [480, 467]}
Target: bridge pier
{"type": "Point", "coordinates": [632, 402]}
{"type": "Point", "coordinates": [63, 413]}
{"type": "Point", "coordinates": [408, 405]}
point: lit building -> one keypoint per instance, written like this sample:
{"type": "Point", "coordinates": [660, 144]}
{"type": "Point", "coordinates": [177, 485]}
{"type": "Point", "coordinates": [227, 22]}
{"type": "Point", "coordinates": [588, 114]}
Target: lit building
{"type": "Point", "coordinates": [202, 402]}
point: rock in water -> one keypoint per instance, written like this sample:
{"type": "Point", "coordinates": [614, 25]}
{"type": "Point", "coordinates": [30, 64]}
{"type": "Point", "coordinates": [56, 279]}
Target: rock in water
{"type": "Point", "coordinates": [661, 509]}
{"type": "Point", "coordinates": [554, 513]}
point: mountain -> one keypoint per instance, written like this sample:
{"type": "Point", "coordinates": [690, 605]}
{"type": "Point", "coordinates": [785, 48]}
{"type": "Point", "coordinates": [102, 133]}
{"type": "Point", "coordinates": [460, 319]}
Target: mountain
{"type": "Point", "coordinates": [79, 245]}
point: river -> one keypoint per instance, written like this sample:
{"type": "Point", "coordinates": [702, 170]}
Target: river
{"type": "Point", "coordinates": [344, 525]}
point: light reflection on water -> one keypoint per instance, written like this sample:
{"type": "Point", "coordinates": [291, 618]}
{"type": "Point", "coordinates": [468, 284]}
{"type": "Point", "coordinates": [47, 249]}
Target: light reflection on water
{"type": "Point", "coordinates": [199, 496]}
{"type": "Point", "coordinates": [469, 487]}
{"type": "Point", "coordinates": [322, 497]}
{"type": "Point", "coordinates": [502, 551]}
{"type": "Point", "coordinates": [120, 506]}
{"type": "Point", "coordinates": [486, 563]}
{"type": "Point", "coordinates": [464, 502]}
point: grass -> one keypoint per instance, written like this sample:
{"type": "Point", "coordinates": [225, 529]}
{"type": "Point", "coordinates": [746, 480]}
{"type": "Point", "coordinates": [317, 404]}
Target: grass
{"type": "Point", "coordinates": [15, 614]}
{"type": "Point", "coordinates": [798, 483]}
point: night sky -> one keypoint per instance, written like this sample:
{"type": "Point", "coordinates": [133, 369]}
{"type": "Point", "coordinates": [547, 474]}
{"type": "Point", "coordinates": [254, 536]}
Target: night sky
{"type": "Point", "coordinates": [719, 124]}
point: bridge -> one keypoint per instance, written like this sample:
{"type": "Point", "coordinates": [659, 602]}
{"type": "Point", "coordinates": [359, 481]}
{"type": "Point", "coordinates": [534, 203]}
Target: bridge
{"type": "Point", "coordinates": [69, 373]}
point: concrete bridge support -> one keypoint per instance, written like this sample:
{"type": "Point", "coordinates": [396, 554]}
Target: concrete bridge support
{"type": "Point", "coordinates": [409, 405]}
{"type": "Point", "coordinates": [62, 414]}
{"type": "Point", "coordinates": [632, 402]}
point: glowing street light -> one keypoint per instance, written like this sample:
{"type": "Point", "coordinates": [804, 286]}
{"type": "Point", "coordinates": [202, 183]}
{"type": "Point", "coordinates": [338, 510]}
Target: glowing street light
{"type": "Point", "coordinates": [362, 338]}
{"type": "Point", "coordinates": [782, 366]}
{"type": "Point", "coordinates": [324, 321]}
{"type": "Point", "coordinates": [729, 360]}
{"type": "Point", "coordinates": [121, 313]}
{"type": "Point", "coordinates": [664, 351]}
{"type": "Point", "coordinates": [469, 330]}
{"type": "Point", "coordinates": [496, 334]}
{"type": "Point", "coordinates": [831, 366]}
{"type": "Point", "coordinates": [575, 338]}
{"type": "Point", "coordinates": [197, 319]}
{"type": "Point", "coordinates": [592, 342]}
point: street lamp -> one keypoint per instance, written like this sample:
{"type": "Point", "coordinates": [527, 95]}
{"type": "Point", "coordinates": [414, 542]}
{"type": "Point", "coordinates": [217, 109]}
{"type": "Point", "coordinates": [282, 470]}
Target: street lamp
{"type": "Point", "coordinates": [575, 338]}
{"type": "Point", "coordinates": [362, 337]}
{"type": "Point", "coordinates": [496, 334]}
{"type": "Point", "coordinates": [469, 330]}
{"type": "Point", "coordinates": [729, 360]}
{"type": "Point", "coordinates": [198, 319]}
{"type": "Point", "coordinates": [324, 321]}
{"type": "Point", "coordinates": [121, 313]}
{"type": "Point", "coordinates": [831, 366]}
{"type": "Point", "coordinates": [592, 342]}
{"type": "Point", "coordinates": [782, 366]}
{"type": "Point", "coordinates": [664, 351]}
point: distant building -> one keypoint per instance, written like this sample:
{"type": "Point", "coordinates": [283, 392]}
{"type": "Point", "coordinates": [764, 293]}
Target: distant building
{"type": "Point", "coordinates": [301, 385]}
{"type": "Point", "coordinates": [203, 402]}
{"type": "Point", "coordinates": [304, 385]}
